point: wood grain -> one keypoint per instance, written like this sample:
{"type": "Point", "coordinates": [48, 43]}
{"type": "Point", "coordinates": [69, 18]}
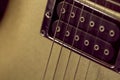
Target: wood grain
{"type": "Point", "coordinates": [24, 52]}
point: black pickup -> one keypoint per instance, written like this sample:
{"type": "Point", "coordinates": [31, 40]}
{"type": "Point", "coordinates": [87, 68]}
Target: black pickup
{"type": "Point", "coordinates": [85, 30]}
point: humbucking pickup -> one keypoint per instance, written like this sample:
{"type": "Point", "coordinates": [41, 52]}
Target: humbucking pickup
{"type": "Point", "coordinates": [81, 40]}
{"type": "Point", "coordinates": [87, 31]}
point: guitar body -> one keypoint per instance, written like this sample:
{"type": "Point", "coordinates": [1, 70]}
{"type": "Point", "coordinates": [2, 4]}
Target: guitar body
{"type": "Point", "coordinates": [24, 52]}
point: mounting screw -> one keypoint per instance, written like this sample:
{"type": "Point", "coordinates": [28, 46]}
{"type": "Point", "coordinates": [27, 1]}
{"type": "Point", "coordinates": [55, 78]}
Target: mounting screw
{"type": "Point", "coordinates": [43, 32]}
{"type": "Point", "coordinates": [48, 14]}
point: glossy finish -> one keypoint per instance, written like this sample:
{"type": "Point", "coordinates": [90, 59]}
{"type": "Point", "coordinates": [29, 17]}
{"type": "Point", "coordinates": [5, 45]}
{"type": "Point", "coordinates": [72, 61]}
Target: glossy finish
{"type": "Point", "coordinates": [24, 51]}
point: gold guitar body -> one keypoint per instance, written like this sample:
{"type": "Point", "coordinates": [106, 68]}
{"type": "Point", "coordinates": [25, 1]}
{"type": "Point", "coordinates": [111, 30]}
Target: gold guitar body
{"type": "Point", "coordinates": [24, 52]}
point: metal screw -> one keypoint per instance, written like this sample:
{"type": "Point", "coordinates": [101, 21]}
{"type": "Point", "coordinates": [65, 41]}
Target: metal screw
{"type": "Point", "coordinates": [77, 38]}
{"type": "Point", "coordinates": [112, 33]}
{"type": "Point", "coordinates": [86, 42]}
{"type": "Point", "coordinates": [67, 34]}
{"type": "Point", "coordinates": [106, 52]}
{"type": "Point", "coordinates": [58, 29]}
{"type": "Point", "coordinates": [72, 14]}
{"type": "Point", "coordinates": [63, 10]}
{"type": "Point", "coordinates": [82, 19]}
{"type": "Point", "coordinates": [43, 32]}
{"type": "Point", "coordinates": [92, 23]}
{"type": "Point", "coordinates": [101, 28]}
{"type": "Point", "coordinates": [48, 14]}
{"type": "Point", "coordinates": [96, 47]}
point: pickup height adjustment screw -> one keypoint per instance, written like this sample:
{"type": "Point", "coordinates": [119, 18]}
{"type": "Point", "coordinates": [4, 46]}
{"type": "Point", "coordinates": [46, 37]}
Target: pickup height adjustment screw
{"type": "Point", "coordinates": [76, 38]}
{"type": "Point", "coordinates": [72, 15]}
{"type": "Point", "coordinates": [57, 29]}
{"type": "Point", "coordinates": [101, 28]}
{"type": "Point", "coordinates": [112, 33]}
{"type": "Point", "coordinates": [67, 34]}
{"type": "Point", "coordinates": [96, 47]}
{"type": "Point", "coordinates": [106, 52]}
{"type": "Point", "coordinates": [92, 23]}
{"type": "Point", "coordinates": [82, 19]}
{"type": "Point", "coordinates": [63, 10]}
{"type": "Point", "coordinates": [86, 42]}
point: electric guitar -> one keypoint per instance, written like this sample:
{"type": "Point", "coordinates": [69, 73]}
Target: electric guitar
{"type": "Point", "coordinates": [78, 40]}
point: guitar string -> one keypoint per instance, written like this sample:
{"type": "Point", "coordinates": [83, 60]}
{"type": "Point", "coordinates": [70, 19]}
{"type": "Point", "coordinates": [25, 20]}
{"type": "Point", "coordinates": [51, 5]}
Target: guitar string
{"type": "Point", "coordinates": [52, 46]}
{"type": "Point", "coordinates": [69, 60]}
{"type": "Point", "coordinates": [88, 66]}
{"type": "Point", "coordinates": [82, 9]}
{"type": "Point", "coordinates": [72, 43]}
{"type": "Point", "coordinates": [79, 62]}
{"type": "Point", "coordinates": [62, 44]}
{"type": "Point", "coordinates": [98, 74]}
{"type": "Point", "coordinates": [93, 50]}
{"type": "Point", "coordinates": [63, 41]}
{"type": "Point", "coordinates": [99, 68]}
{"type": "Point", "coordinates": [71, 52]}
{"type": "Point", "coordinates": [51, 49]}
{"type": "Point", "coordinates": [80, 58]}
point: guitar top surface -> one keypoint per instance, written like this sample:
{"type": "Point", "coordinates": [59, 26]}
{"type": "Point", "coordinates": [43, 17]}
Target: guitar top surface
{"type": "Point", "coordinates": [24, 52]}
